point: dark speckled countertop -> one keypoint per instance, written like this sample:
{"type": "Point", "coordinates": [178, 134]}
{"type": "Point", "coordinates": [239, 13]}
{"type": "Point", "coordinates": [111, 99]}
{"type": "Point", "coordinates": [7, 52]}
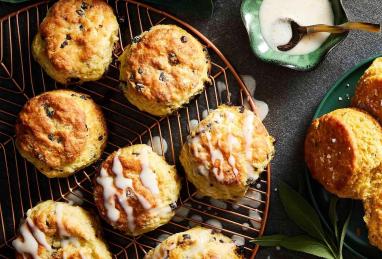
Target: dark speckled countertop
{"type": "Point", "coordinates": [292, 96]}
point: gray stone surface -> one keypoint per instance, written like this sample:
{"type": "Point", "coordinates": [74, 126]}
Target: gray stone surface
{"type": "Point", "coordinates": [292, 96]}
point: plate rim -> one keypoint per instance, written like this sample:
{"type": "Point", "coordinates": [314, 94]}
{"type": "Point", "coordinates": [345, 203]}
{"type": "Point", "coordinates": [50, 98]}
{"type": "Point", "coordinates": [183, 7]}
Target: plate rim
{"type": "Point", "coordinates": [308, 178]}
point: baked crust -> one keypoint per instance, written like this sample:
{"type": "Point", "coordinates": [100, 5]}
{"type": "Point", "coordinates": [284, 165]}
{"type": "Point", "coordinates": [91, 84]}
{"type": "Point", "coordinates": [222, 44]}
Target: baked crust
{"type": "Point", "coordinates": [163, 69]}
{"type": "Point", "coordinates": [60, 132]}
{"type": "Point", "coordinates": [227, 152]}
{"type": "Point", "coordinates": [197, 242]}
{"type": "Point", "coordinates": [368, 94]}
{"type": "Point", "coordinates": [160, 206]}
{"type": "Point", "coordinates": [341, 149]}
{"type": "Point", "coordinates": [69, 232]}
{"type": "Point", "coordinates": [75, 40]}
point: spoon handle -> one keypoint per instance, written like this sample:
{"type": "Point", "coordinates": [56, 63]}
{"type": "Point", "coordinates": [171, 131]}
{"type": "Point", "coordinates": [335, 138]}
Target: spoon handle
{"type": "Point", "coordinates": [361, 26]}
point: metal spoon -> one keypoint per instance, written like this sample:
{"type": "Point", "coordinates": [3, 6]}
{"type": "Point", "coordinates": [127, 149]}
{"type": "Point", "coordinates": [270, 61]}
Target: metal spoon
{"type": "Point", "coordinates": [298, 31]}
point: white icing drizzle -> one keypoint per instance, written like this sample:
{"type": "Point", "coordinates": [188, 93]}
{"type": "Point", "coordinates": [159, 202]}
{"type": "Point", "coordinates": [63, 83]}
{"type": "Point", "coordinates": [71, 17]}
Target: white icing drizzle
{"type": "Point", "coordinates": [216, 223]}
{"type": "Point", "coordinates": [261, 106]}
{"type": "Point", "coordinates": [157, 145]}
{"type": "Point", "coordinates": [32, 237]}
{"type": "Point", "coordinates": [147, 176]}
{"type": "Point", "coordinates": [196, 220]}
{"type": "Point", "coordinates": [204, 114]}
{"type": "Point", "coordinates": [221, 88]}
{"type": "Point", "coordinates": [193, 124]}
{"type": "Point", "coordinates": [262, 109]}
{"type": "Point", "coordinates": [66, 238]}
{"type": "Point", "coordinates": [238, 240]}
{"type": "Point", "coordinates": [247, 132]}
{"type": "Point", "coordinates": [75, 198]}
{"type": "Point", "coordinates": [256, 219]}
{"type": "Point", "coordinates": [215, 154]}
{"type": "Point", "coordinates": [109, 192]}
{"type": "Point", "coordinates": [60, 226]}
{"type": "Point", "coordinates": [39, 235]}
{"type": "Point", "coordinates": [231, 141]}
{"type": "Point", "coordinates": [218, 203]}
{"type": "Point", "coordinates": [181, 213]}
{"type": "Point", "coordinates": [148, 179]}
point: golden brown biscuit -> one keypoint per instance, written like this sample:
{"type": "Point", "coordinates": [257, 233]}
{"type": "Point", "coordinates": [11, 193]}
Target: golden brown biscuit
{"type": "Point", "coordinates": [136, 190]}
{"type": "Point", "coordinates": [341, 150]}
{"type": "Point", "coordinates": [196, 243]}
{"type": "Point", "coordinates": [59, 230]}
{"type": "Point", "coordinates": [75, 40]}
{"type": "Point", "coordinates": [373, 209]}
{"type": "Point", "coordinates": [226, 152]}
{"type": "Point", "coordinates": [368, 95]}
{"type": "Point", "coordinates": [61, 132]}
{"type": "Point", "coordinates": [163, 69]}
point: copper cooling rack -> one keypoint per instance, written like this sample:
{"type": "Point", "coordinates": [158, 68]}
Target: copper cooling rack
{"type": "Point", "coordinates": [22, 186]}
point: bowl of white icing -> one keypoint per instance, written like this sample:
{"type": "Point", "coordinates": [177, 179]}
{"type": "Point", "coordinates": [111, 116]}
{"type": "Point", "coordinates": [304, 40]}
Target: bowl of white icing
{"type": "Point", "coordinates": [267, 23]}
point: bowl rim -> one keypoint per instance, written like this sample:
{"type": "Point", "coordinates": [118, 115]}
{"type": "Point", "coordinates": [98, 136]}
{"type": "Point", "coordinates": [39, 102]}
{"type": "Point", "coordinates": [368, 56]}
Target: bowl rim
{"type": "Point", "coordinates": [282, 63]}
{"type": "Point", "coordinates": [308, 178]}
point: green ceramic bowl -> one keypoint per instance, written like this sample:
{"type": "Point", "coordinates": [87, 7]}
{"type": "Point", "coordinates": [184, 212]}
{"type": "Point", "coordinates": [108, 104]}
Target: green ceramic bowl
{"type": "Point", "coordinates": [250, 15]}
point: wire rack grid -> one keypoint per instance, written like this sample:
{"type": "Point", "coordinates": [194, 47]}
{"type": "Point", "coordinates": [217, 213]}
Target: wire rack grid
{"type": "Point", "coordinates": [22, 186]}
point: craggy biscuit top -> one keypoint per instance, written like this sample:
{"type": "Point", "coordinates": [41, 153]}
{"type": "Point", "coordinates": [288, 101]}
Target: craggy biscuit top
{"type": "Point", "coordinates": [368, 94]}
{"type": "Point", "coordinates": [231, 146]}
{"type": "Point", "coordinates": [134, 188]}
{"type": "Point", "coordinates": [52, 128]}
{"type": "Point", "coordinates": [197, 243]}
{"type": "Point", "coordinates": [78, 36]}
{"type": "Point", "coordinates": [165, 65]}
{"type": "Point", "coordinates": [59, 230]}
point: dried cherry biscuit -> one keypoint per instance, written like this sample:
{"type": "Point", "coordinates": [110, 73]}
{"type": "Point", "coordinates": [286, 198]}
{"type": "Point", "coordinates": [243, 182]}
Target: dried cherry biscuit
{"type": "Point", "coordinates": [75, 40]}
{"type": "Point", "coordinates": [368, 94]}
{"type": "Point", "coordinates": [341, 150]}
{"type": "Point", "coordinates": [136, 190]}
{"type": "Point", "coordinates": [226, 152]}
{"type": "Point", "coordinates": [59, 230]}
{"type": "Point", "coordinates": [197, 242]}
{"type": "Point", "coordinates": [61, 132]}
{"type": "Point", "coordinates": [163, 69]}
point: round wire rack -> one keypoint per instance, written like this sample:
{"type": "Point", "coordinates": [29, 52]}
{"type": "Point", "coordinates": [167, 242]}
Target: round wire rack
{"type": "Point", "coordinates": [22, 186]}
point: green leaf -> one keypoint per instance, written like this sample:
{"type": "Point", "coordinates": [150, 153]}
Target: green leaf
{"type": "Point", "coordinates": [301, 212]}
{"type": "Point", "coordinates": [333, 215]}
{"type": "Point", "coordinates": [343, 232]}
{"type": "Point", "coordinates": [272, 240]}
{"type": "Point", "coordinates": [308, 245]}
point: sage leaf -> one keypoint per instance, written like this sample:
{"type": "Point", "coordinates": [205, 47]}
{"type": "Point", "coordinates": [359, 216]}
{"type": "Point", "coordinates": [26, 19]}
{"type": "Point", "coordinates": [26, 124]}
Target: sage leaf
{"type": "Point", "coordinates": [308, 245]}
{"type": "Point", "coordinates": [333, 215]}
{"type": "Point", "coordinates": [301, 212]}
{"type": "Point", "coordinates": [343, 232]}
{"type": "Point", "coordinates": [271, 240]}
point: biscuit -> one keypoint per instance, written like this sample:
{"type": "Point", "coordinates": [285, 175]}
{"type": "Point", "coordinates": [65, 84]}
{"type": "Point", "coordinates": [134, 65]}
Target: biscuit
{"type": "Point", "coordinates": [136, 190]}
{"type": "Point", "coordinates": [75, 41]}
{"type": "Point", "coordinates": [60, 132]}
{"type": "Point", "coordinates": [368, 94]}
{"type": "Point", "coordinates": [226, 152]}
{"type": "Point", "coordinates": [59, 230]}
{"type": "Point", "coordinates": [163, 69]}
{"type": "Point", "coordinates": [197, 242]}
{"type": "Point", "coordinates": [341, 150]}
{"type": "Point", "coordinates": [373, 209]}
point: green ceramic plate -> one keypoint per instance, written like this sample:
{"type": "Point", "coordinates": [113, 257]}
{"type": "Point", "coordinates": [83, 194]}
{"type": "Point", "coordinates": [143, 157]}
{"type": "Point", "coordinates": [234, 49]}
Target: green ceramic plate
{"type": "Point", "coordinates": [356, 237]}
{"type": "Point", "coordinates": [250, 15]}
